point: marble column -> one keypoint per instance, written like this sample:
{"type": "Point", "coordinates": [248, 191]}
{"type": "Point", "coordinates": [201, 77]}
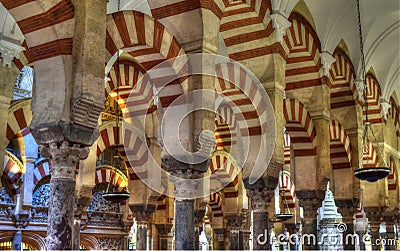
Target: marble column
{"type": "Point", "coordinates": [82, 202]}
{"type": "Point", "coordinates": [60, 223]}
{"type": "Point", "coordinates": [310, 208]}
{"type": "Point", "coordinates": [185, 192]}
{"type": "Point", "coordinates": [141, 240]}
{"type": "Point", "coordinates": [17, 241]}
{"type": "Point", "coordinates": [374, 215]}
{"type": "Point", "coordinates": [142, 213]}
{"type": "Point", "coordinates": [218, 239]}
{"type": "Point", "coordinates": [233, 225]}
{"type": "Point", "coordinates": [259, 198]}
{"type": "Point", "coordinates": [163, 231]}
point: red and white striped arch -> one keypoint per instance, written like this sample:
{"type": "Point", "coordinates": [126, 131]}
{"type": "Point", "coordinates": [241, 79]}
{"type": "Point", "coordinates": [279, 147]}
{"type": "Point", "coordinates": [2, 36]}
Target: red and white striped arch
{"type": "Point", "coordinates": [286, 150]}
{"type": "Point", "coordinates": [339, 146]}
{"type": "Point", "coordinates": [373, 96]}
{"type": "Point", "coordinates": [107, 174]}
{"type": "Point", "coordinates": [241, 91]}
{"type": "Point", "coordinates": [42, 169]}
{"type": "Point", "coordinates": [392, 181]}
{"type": "Point", "coordinates": [149, 43]}
{"type": "Point", "coordinates": [287, 189]}
{"type": "Point", "coordinates": [246, 27]}
{"type": "Point", "coordinates": [134, 153]}
{"type": "Point", "coordinates": [216, 205]}
{"type": "Point", "coordinates": [123, 76]}
{"type": "Point", "coordinates": [12, 170]}
{"type": "Point", "coordinates": [223, 167]}
{"type": "Point", "coordinates": [225, 135]}
{"type": "Point", "coordinates": [302, 47]}
{"type": "Point", "coordinates": [300, 128]}
{"type": "Point", "coordinates": [19, 118]}
{"type": "Point", "coordinates": [48, 27]}
{"type": "Point", "coordinates": [370, 159]}
{"type": "Point", "coordinates": [343, 90]}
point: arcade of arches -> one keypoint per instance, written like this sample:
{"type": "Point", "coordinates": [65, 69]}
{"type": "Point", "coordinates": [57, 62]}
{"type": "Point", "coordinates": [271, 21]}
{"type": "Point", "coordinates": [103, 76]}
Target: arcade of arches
{"type": "Point", "coordinates": [84, 112]}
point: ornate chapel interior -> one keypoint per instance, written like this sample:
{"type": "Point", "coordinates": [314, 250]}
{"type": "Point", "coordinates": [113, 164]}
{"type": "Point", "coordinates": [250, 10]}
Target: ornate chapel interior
{"type": "Point", "coordinates": [297, 135]}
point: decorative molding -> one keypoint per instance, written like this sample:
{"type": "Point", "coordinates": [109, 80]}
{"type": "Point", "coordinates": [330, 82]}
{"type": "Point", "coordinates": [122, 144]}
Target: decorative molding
{"type": "Point", "coordinates": [360, 85]}
{"type": "Point", "coordinates": [327, 60]}
{"type": "Point", "coordinates": [108, 243]}
{"type": "Point", "coordinates": [280, 23]}
{"type": "Point", "coordinates": [385, 107]}
{"type": "Point", "coordinates": [9, 51]}
{"type": "Point", "coordinates": [64, 158]}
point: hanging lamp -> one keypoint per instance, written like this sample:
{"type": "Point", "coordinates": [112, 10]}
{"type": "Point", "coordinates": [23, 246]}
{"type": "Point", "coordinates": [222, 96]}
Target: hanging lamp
{"type": "Point", "coordinates": [112, 194]}
{"type": "Point", "coordinates": [368, 173]}
{"type": "Point", "coordinates": [286, 214]}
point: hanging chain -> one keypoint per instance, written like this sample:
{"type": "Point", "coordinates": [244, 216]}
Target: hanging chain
{"type": "Point", "coordinates": [363, 70]}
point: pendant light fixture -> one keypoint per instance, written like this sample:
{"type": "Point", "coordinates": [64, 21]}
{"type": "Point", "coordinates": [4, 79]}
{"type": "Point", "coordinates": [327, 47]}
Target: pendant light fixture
{"type": "Point", "coordinates": [285, 213]}
{"type": "Point", "coordinates": [112, 194]}
{"type": "Point", "coordinates": [366, 171]}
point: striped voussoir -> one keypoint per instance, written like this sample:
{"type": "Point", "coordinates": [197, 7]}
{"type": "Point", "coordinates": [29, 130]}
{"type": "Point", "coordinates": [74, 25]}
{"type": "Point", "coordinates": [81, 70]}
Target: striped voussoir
{"type": "Point", "coordinates": [300, 128]}
{"type": "Point", "coordinates": [241, 93]}
{"type": "Point", "coordinates": [302, 47]}
{"type": "Point", "coordinates": [373, 96]}
{"type": "Point", "coordinates": [246, 28]}
{"type": "Point", "coordinates": [12, 171]}
{"type": "Point", "coordinates": [149, 43]}
{"type": "Point", "coordinates": [343, 90]}
{"type": "Point", "coordinates": [42, 169]}
{"type": "Point", "coordinates": [107, 174]}
{"type": "Point", "coordinates": [225, 134]}
{"type": "Point", "coordinates": [370, 159]}
{"type": "Point", "coordinates": [392, 183]}
{"type": "Point", "coordinates": [125, 77]}
{"type": "Point", "coordinates": [134, 153]}
{"type": "Point", "coordinates": [223, 168]}
{"type": "Point", "coordinates": [286, 150]}
{"type": "Point", "coordinates": [216, 205]}
{"type": "Point", "coordinates": [287, 189]}
{"type": "Point", "coordinates": [19, 118]}
{"type": "Point", "coordinates": [48, 28]}
{"type": "Point", "coordinates": [340, 146]}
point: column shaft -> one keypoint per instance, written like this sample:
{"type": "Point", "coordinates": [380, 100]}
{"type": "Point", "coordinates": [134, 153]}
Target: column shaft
{"type": "Point", "coordinates": [141, 240]}
{"type": "Point", "coordinates": [17, 240]}
{"type": "Point", "coordinates": [234, 240]}
{"type": "Point", "coordinates": [60, 223]}
{"type": "Point", "coordinates": [76, 236]}
{"type": "Point", "coordinates": [184, 225]}
{"type": "Point", "coordinates": [260, 230]}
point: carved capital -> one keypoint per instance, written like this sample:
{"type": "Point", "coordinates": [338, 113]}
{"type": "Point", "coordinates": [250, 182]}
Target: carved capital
{"type": "Point", "coordinates": [360, 85]}
{"type": "Point", "coordinates": [186, 185]}
{"type": "Point", "coordinates": [142, 212]}
{"type": "Point", "coordinates": [199, 216]}
{"type": "Point", "coordinates": [64, 158]}
{"type": "Point", "coordinates": [327, 60]}
{"type": "Point", "coordinates": [385, 107]}
{"type": "Point", "coordinates": [184, 163]}
{"type": "Point", "coordinates": [260, 198]}
{"type": "Point", "coordinates": [280, 23]}
{"type": "Point", "coordinates": [164, 229]}
{"type": "Point", "coordinates": [9, 51]}
{"type": "Point", "coordinates": [310, 207]}
{"type": "Point", "coordinates": [235, 222]}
